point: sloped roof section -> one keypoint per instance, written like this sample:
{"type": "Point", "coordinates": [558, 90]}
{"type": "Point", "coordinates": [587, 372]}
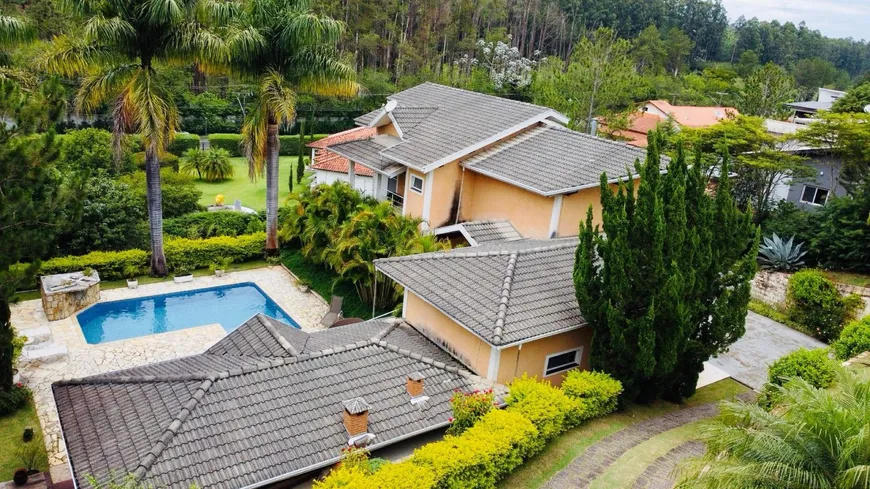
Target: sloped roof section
{"type": "Point", "coordinates": [457, 121]}
{"type": "Point", "coordinates": [694, 116]}
{"type": "Point", "coordinates": [368, 152]}
{"type": "Point", "coordinates": [483, 232]}
{"type": "Point", "coordinates": [248, 411]}
{"type": "Point", "coordinates": [551, 160]}
{"type": "Point", "coordinates": [504, 292]}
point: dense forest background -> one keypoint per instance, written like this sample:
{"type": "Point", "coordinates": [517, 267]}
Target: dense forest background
{"type": "Point", "coordinates": [684, 51]}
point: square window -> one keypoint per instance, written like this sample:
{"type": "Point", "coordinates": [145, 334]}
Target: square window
{"type": "Point", "coordinates": [416, 184]}
{"type": "Point", "coordinates": [814, 195]}
{"type": "Point", "coordinates": [560, 362]}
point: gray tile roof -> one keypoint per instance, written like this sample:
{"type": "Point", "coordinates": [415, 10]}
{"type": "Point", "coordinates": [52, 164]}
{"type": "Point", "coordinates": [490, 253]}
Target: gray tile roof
{"type": "Point", "coordinates": [483, 232]}
{"type": "Point", "coordinates": [262, 403]}
{"type": "Point", "coordinates": [504, 292]}
{"type": "Point", "coordinates": [367, 152]}
{"type": "Point", "coordinates": [552, 160]}
{"type": "Point", "coordinates": [441, 121]}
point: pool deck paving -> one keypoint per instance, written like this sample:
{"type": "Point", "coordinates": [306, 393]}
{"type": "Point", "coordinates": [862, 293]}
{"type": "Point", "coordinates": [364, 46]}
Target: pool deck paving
{"type": "Point", "coordinates": [85, 360]}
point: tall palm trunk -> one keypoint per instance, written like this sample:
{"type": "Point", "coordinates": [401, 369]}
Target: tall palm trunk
{"type": "Point", "coordinates": [155, 210]}
{"type": "Point", "coordinates": [272, 149]}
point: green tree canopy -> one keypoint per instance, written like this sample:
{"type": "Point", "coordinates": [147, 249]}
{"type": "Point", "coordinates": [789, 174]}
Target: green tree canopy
{"type": "Point", "coordinates": [854, 101]}
{"type": "Point", "coordinates": [767, 91]}
{"type": "Point", "coordinates": [667, 283]}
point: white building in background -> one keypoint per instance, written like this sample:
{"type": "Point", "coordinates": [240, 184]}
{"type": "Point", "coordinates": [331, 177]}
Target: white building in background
{"type": "Point", "coordinates": [329, 167]}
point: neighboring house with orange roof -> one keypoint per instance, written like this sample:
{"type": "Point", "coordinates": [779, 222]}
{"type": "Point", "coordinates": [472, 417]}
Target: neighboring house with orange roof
{"type": "Point", "coordinates": [329, 167]}
{"type": "Point", "coordinates": [656, 112]}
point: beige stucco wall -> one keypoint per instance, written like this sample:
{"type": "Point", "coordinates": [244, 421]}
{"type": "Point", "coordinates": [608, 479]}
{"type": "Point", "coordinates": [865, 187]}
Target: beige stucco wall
{"type": "Point", "coordinates": [413, 200]}
{"type": "Point", "coordinates": [531, 358]}
{"type": "Point", "coordinates": [574, 209]}
{"type": "Point", "coordinates": [444, 191]}
{"type": "Point", "coordinates": [464, 345]}
{"type": "Point", "coordinates": [388, 129]}
{"type": "Point", "coordinates": [487, 198]}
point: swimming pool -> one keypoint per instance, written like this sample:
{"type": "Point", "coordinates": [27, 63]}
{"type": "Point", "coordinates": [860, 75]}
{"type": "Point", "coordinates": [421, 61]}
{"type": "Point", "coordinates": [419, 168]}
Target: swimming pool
{"type": "Point", "coordinates": [229, 305]}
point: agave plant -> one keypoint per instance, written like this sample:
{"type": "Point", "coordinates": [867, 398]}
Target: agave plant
{"type": "Point", "coordinates": [777, 254]}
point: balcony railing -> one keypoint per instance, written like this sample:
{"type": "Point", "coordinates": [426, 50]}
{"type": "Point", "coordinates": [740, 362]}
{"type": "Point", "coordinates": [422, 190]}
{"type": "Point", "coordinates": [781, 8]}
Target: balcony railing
{"type": "Point", "coordinates": [396, 199]}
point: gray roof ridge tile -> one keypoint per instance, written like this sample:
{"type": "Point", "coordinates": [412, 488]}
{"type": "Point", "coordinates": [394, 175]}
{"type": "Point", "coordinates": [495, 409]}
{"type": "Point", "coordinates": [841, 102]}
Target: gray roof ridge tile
{"type": "Point", "coordinates": [505, 299]}
{"type": "Point", "coordinates": [266, 321]}
{"type": "Point", "coordinates": [529, 104]}
{"type": "Point", "coordinates": [383, 334]}
{"type": "Point", "coordinates": [138, 379]}
{"type": "Point", "coordinates": [611, 142]}
{"type": "Point", "coordinates": [559, 244]}
{"type": "Point", "coordinates": [171, 430]}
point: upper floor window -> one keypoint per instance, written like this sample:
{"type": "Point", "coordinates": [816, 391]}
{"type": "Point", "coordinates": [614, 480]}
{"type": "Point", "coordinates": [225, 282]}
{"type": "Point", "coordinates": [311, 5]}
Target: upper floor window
{"type": "Point", "coordinates": [814, 195]}
{"type": "Point", "coordinates": [416, 184]}
{"type": "Point", "coordinates": [560, 362]}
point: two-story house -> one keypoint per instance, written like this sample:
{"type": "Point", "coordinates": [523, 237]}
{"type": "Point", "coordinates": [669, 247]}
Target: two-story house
{"type": "Point", "coordinates": [449, 156]}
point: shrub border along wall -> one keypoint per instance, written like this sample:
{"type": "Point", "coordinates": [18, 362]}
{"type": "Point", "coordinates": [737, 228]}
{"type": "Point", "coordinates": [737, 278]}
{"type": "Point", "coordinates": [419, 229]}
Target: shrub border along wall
{"type": "Point", "coordinates": [181, 253]}
{"type": "Point", "coordinates": [496, 445]}
{"type": "Point", "coordinates": [232, 143]}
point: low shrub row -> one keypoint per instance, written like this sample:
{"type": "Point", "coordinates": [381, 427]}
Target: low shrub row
{"type": "Point", "coordinates": [182, 143]}
{"type": "Point", "coordinates": [814, 366]}
{"type": "Point", "coordinates": [232, 142]}
{"type": "Point", "coordinates": [854, 340]}
{"type": "Point", "coordinates": [181, 254]}
{"type": "Point", "coordinates": [497, 443]}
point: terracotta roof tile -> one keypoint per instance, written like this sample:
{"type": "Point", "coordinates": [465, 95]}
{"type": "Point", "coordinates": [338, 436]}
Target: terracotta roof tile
{"type": "Point", "coordinates": [344, 136]}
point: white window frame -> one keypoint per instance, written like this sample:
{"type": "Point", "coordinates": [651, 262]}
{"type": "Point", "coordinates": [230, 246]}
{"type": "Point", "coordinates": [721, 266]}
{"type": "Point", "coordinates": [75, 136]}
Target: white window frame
{"type": "Point", "coordinates": [578, 355]}
{"type": "Point", "coordinates": [422, 184]}
{"type": "Point", "coordinates": [803, 191]}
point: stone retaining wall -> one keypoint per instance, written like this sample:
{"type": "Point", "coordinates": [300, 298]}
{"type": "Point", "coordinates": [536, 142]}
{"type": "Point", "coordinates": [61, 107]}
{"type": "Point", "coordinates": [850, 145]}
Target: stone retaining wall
{"type": "Point", "coordinates": [64, 302]}
{"type": "Point", "coordinates": [770, 287]}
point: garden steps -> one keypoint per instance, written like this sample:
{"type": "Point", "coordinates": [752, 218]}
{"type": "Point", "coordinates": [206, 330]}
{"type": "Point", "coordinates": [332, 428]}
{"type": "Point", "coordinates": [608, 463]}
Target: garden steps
{"type": "Point", "coordinates": [45, 352]}
{"type": "Point", "coordinates": [36, 335]}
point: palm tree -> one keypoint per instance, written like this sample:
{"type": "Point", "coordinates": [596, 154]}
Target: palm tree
{"type": "Point", "coordinates": [117, 55]}
{"type": "Point", "coordinates": [192, 161]}
{"type": "Point", "coordinates": [216, 165]}
{"type": "Point", "coordinates": [13, 30]}
{"type": "Point", "coordinates": [284, 47]}
{"type": "Point", "coordinates": [815, 439]}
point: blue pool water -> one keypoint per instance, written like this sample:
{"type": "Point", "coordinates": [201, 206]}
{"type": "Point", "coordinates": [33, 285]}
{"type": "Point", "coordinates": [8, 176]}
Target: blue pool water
{"type": "Point", "coordinates": [229, 305]}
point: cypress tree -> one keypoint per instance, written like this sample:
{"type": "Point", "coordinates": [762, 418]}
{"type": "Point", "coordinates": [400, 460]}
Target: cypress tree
{"type": "Point", "coordinates": [667, 283]}
{"type": "Point", "coordinates": [300, 162]}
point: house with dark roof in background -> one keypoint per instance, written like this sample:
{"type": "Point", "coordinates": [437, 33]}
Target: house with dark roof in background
{"type": "Point", "coordinates": [449, 156]}
{"type": "Point", "coordinates": [502, 309]}
{"type": "Point", "coordinates": [268, 405]}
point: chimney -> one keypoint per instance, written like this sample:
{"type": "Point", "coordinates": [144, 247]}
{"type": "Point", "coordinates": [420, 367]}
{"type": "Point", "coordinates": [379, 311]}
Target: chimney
{"type": "Point", "coordinates": [356, 416]}
{"type": "Point", "coordinates": [414, 384]}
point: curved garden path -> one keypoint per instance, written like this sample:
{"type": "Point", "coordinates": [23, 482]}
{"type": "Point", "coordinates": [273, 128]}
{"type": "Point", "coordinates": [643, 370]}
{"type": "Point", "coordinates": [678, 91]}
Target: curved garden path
{"type": "Point", "coordinates": [659, 474]}
{"type": "Point", "coordinates": [583, 470]}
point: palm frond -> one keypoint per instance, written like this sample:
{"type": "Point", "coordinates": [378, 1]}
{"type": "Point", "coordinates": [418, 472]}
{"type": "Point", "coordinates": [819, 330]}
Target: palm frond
{"type": "Point", "coordinates": [100, 86]}
{"type": "Point", "coordinates": [112, 31]}
{"type": "Point", "coordinates": [307, 28]}
{"type": "Point", "coordinates": [217, 12]}
{"type": "Point", "coordinates": [22, 78]}
{"type": "Point", "coordinates": [254, 133]}
{"type": "Point", "coordinates": [15, 29]}
{"type": "Point", "coordinates": [278, 96]}
{"type": "Point", "coordinates": [71, 57]}
{"type": "Point", "coordinates": [210, 50]}
{"type": "Point", "coordinates": [152, 111]}
{"type": "Point", "coordinates": [163, 11]}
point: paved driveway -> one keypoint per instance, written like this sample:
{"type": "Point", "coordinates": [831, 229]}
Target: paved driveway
{"type": "Point", "coordinates": [765, 341]}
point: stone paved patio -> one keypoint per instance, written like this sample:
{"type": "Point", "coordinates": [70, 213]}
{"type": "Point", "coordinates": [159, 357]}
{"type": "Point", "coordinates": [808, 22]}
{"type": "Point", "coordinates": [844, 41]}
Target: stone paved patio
{"type": "Point", "coordinates": [85, 360]}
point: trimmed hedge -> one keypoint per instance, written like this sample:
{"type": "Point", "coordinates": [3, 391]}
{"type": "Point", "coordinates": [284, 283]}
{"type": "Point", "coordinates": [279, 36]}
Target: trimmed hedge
{"type": "Point", "coordinates": [182, 143]}
{"type": "Point", "coordinates": [495, 446]}
{"type": "Point", "coordinates": [200, 225]}
{"type": "Point", "coordinates": [190, 254]}
{"type": "Point", "coordinates": [167, 160]}
{"type": "Point", "coordinates": [598, 391]}
{"type": "Point", "coordinates": [813, 366]}
{"type": "Point", "coordinates": [109, 264]}
{"type": "Point", "coordinates": [232, 142]}
{"type": "Point", "coordinates": [181, 253]}
{"type": "Point", "coordinates": [854, 340]}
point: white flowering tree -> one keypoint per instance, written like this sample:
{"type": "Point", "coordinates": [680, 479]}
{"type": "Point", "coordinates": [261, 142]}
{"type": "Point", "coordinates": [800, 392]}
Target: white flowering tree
{"type": "Point", "coordinates": [507, 68]}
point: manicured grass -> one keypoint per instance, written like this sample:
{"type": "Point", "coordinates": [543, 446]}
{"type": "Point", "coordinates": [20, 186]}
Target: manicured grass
{"type": "Point", "coordinates": [850, 278]}
{"type": "Point", "coordinates": [252, 194]}
{"type": "Point", "coordinates": [633, 462]}
{"type": "Point", "coordinates": [146, 279]}
{"type": "Point", "coordinates": [561, 451]}
{"type": "Point", "coordinates": [322, 280]}
{"type": "Point", "coordinates": [11, 430]}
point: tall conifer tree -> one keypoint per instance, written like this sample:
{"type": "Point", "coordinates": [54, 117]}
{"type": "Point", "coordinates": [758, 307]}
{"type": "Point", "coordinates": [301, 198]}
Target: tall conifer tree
{"type": "Point", "coordinates": [667, 283]}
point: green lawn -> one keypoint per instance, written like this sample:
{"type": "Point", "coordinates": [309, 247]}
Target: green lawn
{"type": "Point", "coordinates": [11, 430]}
{"type": "Point", "coordinates": [252, 194]}
{"type": "Point", "coordinates": [561, 451]}
{"type": "Point", "coordinates": [850, 278]}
